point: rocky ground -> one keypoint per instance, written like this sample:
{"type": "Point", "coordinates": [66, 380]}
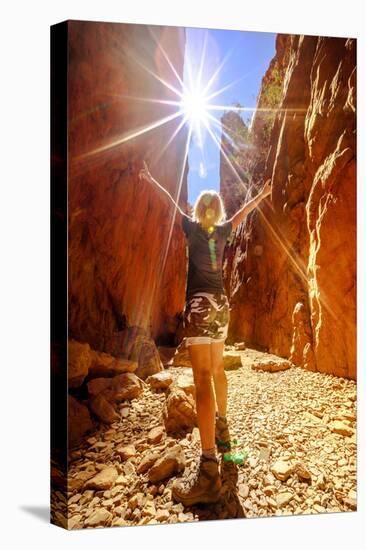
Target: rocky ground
{"type": "Point", "coordinates": [298, 426]}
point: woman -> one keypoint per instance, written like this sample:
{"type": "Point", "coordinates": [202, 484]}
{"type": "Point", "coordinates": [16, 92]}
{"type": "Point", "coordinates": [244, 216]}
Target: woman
{"type": "Point", "coordinates": [205, 321]}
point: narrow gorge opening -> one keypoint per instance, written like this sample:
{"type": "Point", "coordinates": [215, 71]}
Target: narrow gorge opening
{"type": "Point", "coordinates": [289, 271]}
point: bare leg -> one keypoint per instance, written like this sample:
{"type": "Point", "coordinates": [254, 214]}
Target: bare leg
{"type": "Point", "coordinates": [200, 355]}
{"type": "Point", "coordinates": [219, 376]}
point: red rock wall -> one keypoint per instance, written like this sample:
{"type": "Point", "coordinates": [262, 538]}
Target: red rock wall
{"type": "Point", "coordinates": [234, 195]}
{"type": "Point", "coordinates": [119, 228]}
{"type": "Point", "coordinates": [291, 271]}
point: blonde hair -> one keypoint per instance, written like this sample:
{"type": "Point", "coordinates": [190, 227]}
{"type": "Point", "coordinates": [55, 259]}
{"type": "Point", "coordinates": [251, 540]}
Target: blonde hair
{"type": "Point", "coordinates": [209, 208]}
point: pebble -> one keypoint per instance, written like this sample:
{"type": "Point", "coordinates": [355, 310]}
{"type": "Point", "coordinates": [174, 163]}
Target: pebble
{"type": "Point", "coordinates": [283, 498]}
{"type": "Point", "coordinates": [104, 480]}
{"type": "Point", "coordinates": [297, 463]}
{"type": "Point", "coordinates": [282, 469]}
{"type": "Point", "coordinates": [99, 517]}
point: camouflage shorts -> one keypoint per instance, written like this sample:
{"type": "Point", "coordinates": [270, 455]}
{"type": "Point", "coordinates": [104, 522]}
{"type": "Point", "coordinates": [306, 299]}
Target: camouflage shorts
{"type": "Point", "coordinates": [206, 318]}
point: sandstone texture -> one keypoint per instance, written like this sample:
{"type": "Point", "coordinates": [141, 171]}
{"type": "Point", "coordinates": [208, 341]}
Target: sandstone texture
{"type": "Point", "coordinates": [290, 270]}
{"type": "Point", "coordinates": [126, 252]}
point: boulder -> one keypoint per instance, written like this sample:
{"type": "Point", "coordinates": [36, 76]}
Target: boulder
{"type": "Point", "coordinates": [79, 361]}
{"type": "Point", "coordinates": [105, 365]}
{"type": "Point", "coordinates": [122, 387]}
{"type": "Point", "coordinates": [179, 411]}
{"type": "Point", "coordinates": [181, 356]}
{"type": "Point", "coordinates": [271, 363]}
{"type": "Point", "coordinates": [103, 409]}
{"type": "Point", "coordinates": [232, 361]}
{"type": "Point", "coordinates": [186, 383]}
{"type": "Point", "coordinates": [79, 421]}
{"type": "Point", "coordinates": [147, 461]}
{"type": "Point", "coordinates": [145, 353]}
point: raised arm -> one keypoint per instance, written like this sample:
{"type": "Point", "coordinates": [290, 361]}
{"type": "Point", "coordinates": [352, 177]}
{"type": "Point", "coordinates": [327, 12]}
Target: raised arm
{"type": "Point", "coordinates": [145, 174]}
{"type": "Point", "coordinates": [241, 214]}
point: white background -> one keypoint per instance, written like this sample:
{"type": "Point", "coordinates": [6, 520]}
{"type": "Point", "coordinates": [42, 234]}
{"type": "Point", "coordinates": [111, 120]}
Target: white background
{"type": "Point", "coordinates": [24, 273]}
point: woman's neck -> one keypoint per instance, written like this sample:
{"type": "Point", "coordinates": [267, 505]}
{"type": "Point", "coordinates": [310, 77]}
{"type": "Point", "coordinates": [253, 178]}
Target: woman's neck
{"type": "Point", "coordinates": [206, 227]}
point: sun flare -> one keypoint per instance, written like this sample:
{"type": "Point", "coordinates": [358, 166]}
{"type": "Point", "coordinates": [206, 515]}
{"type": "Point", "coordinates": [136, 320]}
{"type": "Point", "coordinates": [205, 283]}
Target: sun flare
{"type": "Point", "coordinates": [195, 106]}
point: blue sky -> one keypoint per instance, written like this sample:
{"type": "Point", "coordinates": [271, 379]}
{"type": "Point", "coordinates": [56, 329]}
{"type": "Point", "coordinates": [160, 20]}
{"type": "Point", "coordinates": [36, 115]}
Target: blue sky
{"type": "Point", "coordinates": [251, 53]}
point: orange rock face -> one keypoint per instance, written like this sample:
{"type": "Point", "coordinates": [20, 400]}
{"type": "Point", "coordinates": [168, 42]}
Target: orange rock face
{"type": "Point", "coordinates": [291, 270]}
{"type": "Point", "coordinates": [126, 254]}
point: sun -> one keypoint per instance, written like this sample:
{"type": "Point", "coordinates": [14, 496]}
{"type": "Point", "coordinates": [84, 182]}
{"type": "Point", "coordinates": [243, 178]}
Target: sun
{"type": "Point", "coordinates": [195, 106]}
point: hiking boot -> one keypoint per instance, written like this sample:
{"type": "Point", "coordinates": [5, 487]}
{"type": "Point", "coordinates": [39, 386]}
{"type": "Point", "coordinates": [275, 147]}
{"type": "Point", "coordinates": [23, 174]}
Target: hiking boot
{"type": "Point", "coordinates": [204, 487]}
{"type": "Point", "coordinates": [222, 435]}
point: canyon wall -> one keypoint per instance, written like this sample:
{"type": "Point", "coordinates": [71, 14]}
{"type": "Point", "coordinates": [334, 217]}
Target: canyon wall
{"type": "Point", "coordinates": [126, 253]}
{"type": "Point", "coordinates": [291, 268]}
{"type": "Point", "coordinates": [234, 178]}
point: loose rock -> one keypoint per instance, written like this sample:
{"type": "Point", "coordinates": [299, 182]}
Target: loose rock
{"type": "Point", "coordinates": [179, 412]}
{"type": "Point", "coordinates": [99, 517]}
{"type": "Point", "coordinates": [155, 435]}
{"type": "Point", "coordinates": [105, 365]}
{"type": "Point", "coordinates": [103, 409]}
{"type": "Point", "coordinates": [282, 470]}
{"type": "Point", "coordinates": [341, 428]}
{"type": "Point", "coordinates": [283, 498]}
{"type": "Point", "coordinates": [160, 380]}
{"type": "Point", "coordinates": [79, 421]}
{"type": "Point", "coordinates": [104, 480]}
{"type": "Point", "coordinates": [172, 462]}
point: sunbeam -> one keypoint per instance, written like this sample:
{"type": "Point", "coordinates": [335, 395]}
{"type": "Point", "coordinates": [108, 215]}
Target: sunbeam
{"type": "Point", "coordinates": [177, 198]}
{"type": "Point", "coordinates": [227, 87]}
{"type": "Point", "coordinates": [174, 134]}
{"type": "Point", "coordinates": [216, 73]}
{"type": "Point", "coordinates": [200, 71]}
{"type": "Point", "coordinates": [132, 135]}
{"type": "Point", "coordinates": [195, 108]}
{"type": "Point", "coordinates": [166, 57]}
{"type": "Point", "coordinates": [216, 141]}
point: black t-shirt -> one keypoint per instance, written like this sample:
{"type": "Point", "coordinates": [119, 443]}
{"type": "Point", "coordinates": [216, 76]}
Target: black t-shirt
{"type": "Point", "coordinates": [205, 254]}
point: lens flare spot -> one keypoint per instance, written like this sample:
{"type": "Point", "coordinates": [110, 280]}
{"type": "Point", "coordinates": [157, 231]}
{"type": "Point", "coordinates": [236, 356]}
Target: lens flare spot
{"type": "Point", "coordinates": [202, 170]}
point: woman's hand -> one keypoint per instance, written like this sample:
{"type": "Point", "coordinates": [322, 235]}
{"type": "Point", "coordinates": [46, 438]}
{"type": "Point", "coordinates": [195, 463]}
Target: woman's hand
{"type": "Point", "coordinates": [144, 173]}
{"type": "Point", "coordinates": [267, 189]}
